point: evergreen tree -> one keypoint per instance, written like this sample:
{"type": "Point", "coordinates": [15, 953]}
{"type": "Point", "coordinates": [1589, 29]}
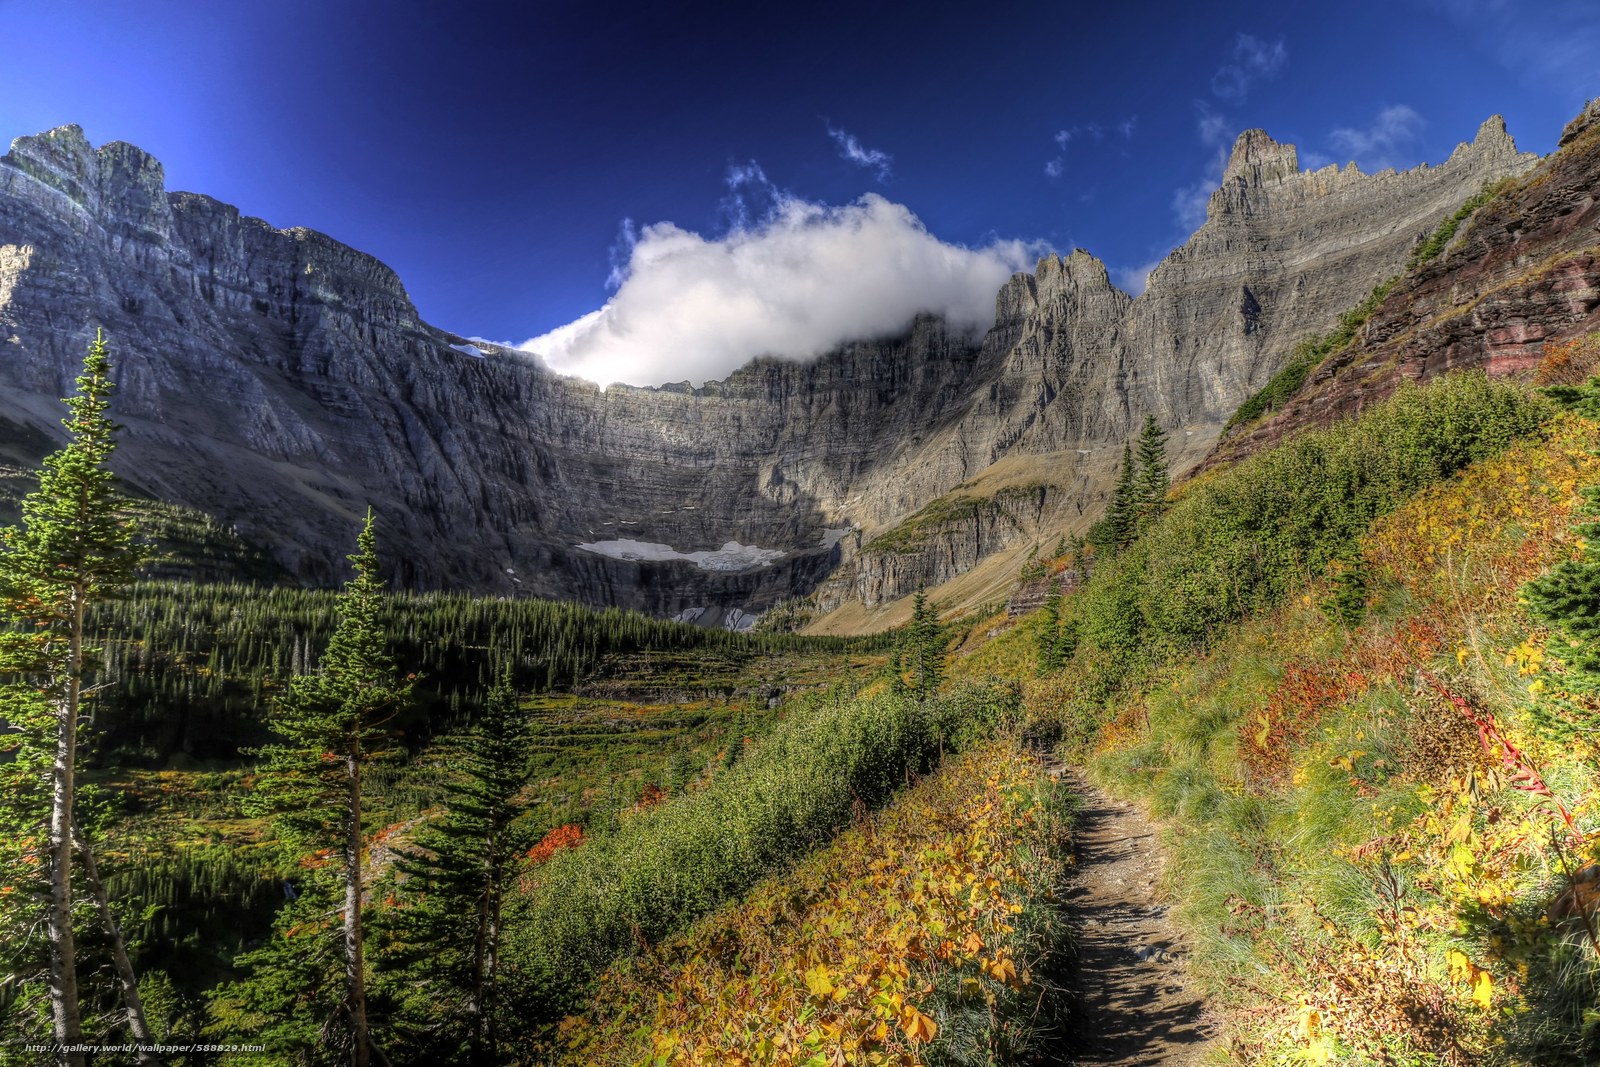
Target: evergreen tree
{"type": "Point", "coordinates": [73, 549]}
{"type": "Point", "coordinates": [448, 919]}
{"type": "Point", "coordinates": [1050, 650]}
{"type": "Point", "coordinates": [335, 725]}
{"type": "Point", "coordinates": [1115, 530]}
{"type": "Point", "coordinates": [1567, 599]}
{"type": "Point", "coordinates": [926, 642]}
{"type": "Point", "coordinates": [1151, 482]}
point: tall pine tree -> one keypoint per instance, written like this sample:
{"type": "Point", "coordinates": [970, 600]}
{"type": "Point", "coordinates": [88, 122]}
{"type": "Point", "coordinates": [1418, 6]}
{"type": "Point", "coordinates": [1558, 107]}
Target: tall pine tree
{"type": "Point", "coordinates": [926, 641]}
{"type": "Point", "coordinates": [1116, 528]}
{"type": "Point", "coordinates": [1051, 650]}
{"type": "Point", "coordinates": [335, 725]}
{"type": "Point", "coordinates": [1151, 481]}
{"type": "Point", "coordinates": [1567, 599]}
{"type": "Point", "coordinates": [74, 549]}
{"type": "Point", "coordinates": [446, 927]}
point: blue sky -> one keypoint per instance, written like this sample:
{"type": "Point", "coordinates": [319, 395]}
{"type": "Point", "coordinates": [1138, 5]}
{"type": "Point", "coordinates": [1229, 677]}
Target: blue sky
{"type": "Point", "coordinates": [516, 162]}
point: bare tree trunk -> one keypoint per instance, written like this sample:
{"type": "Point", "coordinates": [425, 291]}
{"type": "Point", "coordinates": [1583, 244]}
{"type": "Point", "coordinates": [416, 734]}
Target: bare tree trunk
{"type": "Point", "coordinates": [119, 950]}
{"type": "Point", "coordinates": [66, 1022]}
{"type": "Point", "coordinates": [491, 963]}
{"type": "Point", "coordinates": [483, 953]}
{"type": "Point", "coordinates": [354, 966]}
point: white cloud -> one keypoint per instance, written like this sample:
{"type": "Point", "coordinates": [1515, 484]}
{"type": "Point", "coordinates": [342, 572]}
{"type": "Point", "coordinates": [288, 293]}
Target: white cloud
{"type": "Point", "coordinates": [1253, 60]}
{"type": "Point", "coordinates": [1135, 279]}
{"type": "Point", "coordinates": [1375, 146]}
{"type": "Point", "coordinates": [1214, 128]}
{"type": "Point", "coordinates": [1189, 202]}
{"type": "Point", "coordinates": [805, 279]}
{"type": "Point", "coordinates": [621, 251]}
{"type": "Point", "coordinates": [851, 149]}
{"type": "Point", "coordinates": [751, 195]}
{"type": "Point", "coordinates": [1094, 131]}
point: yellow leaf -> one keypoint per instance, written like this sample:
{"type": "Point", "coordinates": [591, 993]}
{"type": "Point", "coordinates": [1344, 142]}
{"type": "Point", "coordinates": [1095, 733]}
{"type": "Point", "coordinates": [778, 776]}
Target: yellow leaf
{"type": "Point", "coordinates": [818, 981]}
{"type": "Point", "coordinates": [918, 1027]}
{"type": "Point", "coordinates": [1318, 1051]}
{"type": "Point", "coordinates": [1261, 735]}
{"type": "Point", "coordinates": [1004, 970]}
{"type": "Point", "coordinates": [1483, 990]}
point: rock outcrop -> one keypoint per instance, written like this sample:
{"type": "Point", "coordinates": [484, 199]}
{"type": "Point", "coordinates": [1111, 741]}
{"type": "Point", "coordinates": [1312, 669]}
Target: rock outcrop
{"type": "Point", "coordinates": [282, 381]}
{"type": "Point", "coordinates": [1524, 270]}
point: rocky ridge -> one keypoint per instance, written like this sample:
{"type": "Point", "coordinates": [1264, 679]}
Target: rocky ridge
{"type": "Point", "coordinates": [1522, 272]}
{"type": "Point", "coordinates": [281, 381]}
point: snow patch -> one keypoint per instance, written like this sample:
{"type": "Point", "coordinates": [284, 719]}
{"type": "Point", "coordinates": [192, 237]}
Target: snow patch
{"type": "Point", "coordinates": [470, 350]}
{"type": "Point", "coordinates": [732, 556]}
{"type": "Point", "coordinates": [740, 622]}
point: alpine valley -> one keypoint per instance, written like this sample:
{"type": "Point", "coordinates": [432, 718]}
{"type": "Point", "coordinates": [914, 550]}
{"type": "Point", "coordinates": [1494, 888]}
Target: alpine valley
{"type": "Point", "coordinates": [1207, 675]}
{"type": "Point", "coordinates": [280, 381]}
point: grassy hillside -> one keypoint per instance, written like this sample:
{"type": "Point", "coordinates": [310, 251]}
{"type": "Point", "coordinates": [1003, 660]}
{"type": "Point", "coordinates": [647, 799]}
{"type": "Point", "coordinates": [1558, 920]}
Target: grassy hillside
{"type": "Point", "coordinates": [914, 939]}
{"type": "Point", "coordinates": [1373, 835]}
{"type": "Point", "coordinates": [1321, 670]}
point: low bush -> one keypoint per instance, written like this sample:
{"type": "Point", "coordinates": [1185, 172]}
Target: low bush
{"type": "Point", "coordinates": [1237, 542]}
{"type": "Point", "coordinates": [914, 939]}
{"type": "Point", "coordinates": [832, 759]}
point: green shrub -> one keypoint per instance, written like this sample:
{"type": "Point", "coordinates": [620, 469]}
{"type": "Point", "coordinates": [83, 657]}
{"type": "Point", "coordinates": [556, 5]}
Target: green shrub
{"type": "Point", "coordinates": [1238, 542]}
{"type": "Point", "coordinates": [828, 762]}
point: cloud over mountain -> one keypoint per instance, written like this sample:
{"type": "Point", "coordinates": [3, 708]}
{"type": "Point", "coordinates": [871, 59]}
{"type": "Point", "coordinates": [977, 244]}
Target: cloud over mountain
{"type": "Point", "coordinates": [803, 280]}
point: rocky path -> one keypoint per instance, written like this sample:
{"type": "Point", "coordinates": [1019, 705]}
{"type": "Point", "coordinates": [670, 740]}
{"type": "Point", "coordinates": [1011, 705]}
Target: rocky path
{"type": "Point", "coordinates": [1134, 1004]}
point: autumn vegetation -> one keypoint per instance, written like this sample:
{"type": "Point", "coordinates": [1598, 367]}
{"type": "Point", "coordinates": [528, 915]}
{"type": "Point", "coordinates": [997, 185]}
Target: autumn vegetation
{"type": "Point", "coordinates": [1355, 677]}
{"type": "Point", "coordinates": [1352, 676]}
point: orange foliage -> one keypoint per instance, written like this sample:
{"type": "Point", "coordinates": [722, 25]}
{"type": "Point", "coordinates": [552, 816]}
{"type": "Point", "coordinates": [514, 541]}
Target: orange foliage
{"type": "Point", "coordinates": [568, 836]}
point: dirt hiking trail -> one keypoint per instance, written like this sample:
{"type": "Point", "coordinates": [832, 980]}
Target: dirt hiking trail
{"type": "Point", "coordinates": [1133, 1003]}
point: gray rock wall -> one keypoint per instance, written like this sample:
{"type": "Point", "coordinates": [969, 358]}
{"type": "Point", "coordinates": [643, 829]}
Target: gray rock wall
{"type": "Point", "coordinates": [283, 381]}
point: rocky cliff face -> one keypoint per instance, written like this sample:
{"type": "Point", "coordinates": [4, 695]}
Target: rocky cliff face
{"type": "Point", "coordinates": [282, 381]}
{"type": "Point", "coordinates": [1523, 271]}
{"type": "Point", "coordinates": [1073, 365]}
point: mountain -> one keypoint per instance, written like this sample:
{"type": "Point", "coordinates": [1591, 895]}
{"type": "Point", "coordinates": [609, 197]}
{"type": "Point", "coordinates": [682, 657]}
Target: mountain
{"type": "Point", "coordinates": [281, 381]}
{"type": "Point", "coordinates": [1525, 273]}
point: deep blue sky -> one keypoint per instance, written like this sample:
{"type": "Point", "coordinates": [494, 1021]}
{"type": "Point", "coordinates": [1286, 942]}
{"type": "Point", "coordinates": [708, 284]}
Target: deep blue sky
{"type": "Point", "coordinates": [490, 152]}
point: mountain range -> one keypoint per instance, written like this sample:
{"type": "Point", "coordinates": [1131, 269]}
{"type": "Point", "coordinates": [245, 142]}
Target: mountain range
{"type": "Point", "coordinates": [281, 382]}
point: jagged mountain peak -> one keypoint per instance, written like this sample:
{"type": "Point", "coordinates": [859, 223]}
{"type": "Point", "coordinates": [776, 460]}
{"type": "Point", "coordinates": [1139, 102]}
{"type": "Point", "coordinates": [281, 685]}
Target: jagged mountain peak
{"type": "Point", "coordinates": [299, 365]}
{"type": "Point", "coordinates": [1257, 159]}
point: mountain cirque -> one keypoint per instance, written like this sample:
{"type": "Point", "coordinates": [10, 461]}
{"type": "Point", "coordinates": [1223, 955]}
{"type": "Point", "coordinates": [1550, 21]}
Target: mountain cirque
{"type": "Point", "coordinates": [281, 381]}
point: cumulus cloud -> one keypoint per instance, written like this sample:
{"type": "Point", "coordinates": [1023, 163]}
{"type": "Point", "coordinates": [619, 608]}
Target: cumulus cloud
{"type": "Point", "coordinates": [851, 149]}
{"type": "Point", "coordinates": [803, 280]}
{"type": "Point", "coordinates": [1376, 146]}
{"type": "Point", "coordinates": [1253, 60]}
{"type": "Point", "coordinates": [1189, 203]}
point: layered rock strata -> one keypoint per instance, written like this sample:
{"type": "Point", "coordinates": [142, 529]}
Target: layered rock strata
{"type": "Point", "coordinates": [282, 381]}
{"type": "Point", "coordinates": [1523, 271]}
